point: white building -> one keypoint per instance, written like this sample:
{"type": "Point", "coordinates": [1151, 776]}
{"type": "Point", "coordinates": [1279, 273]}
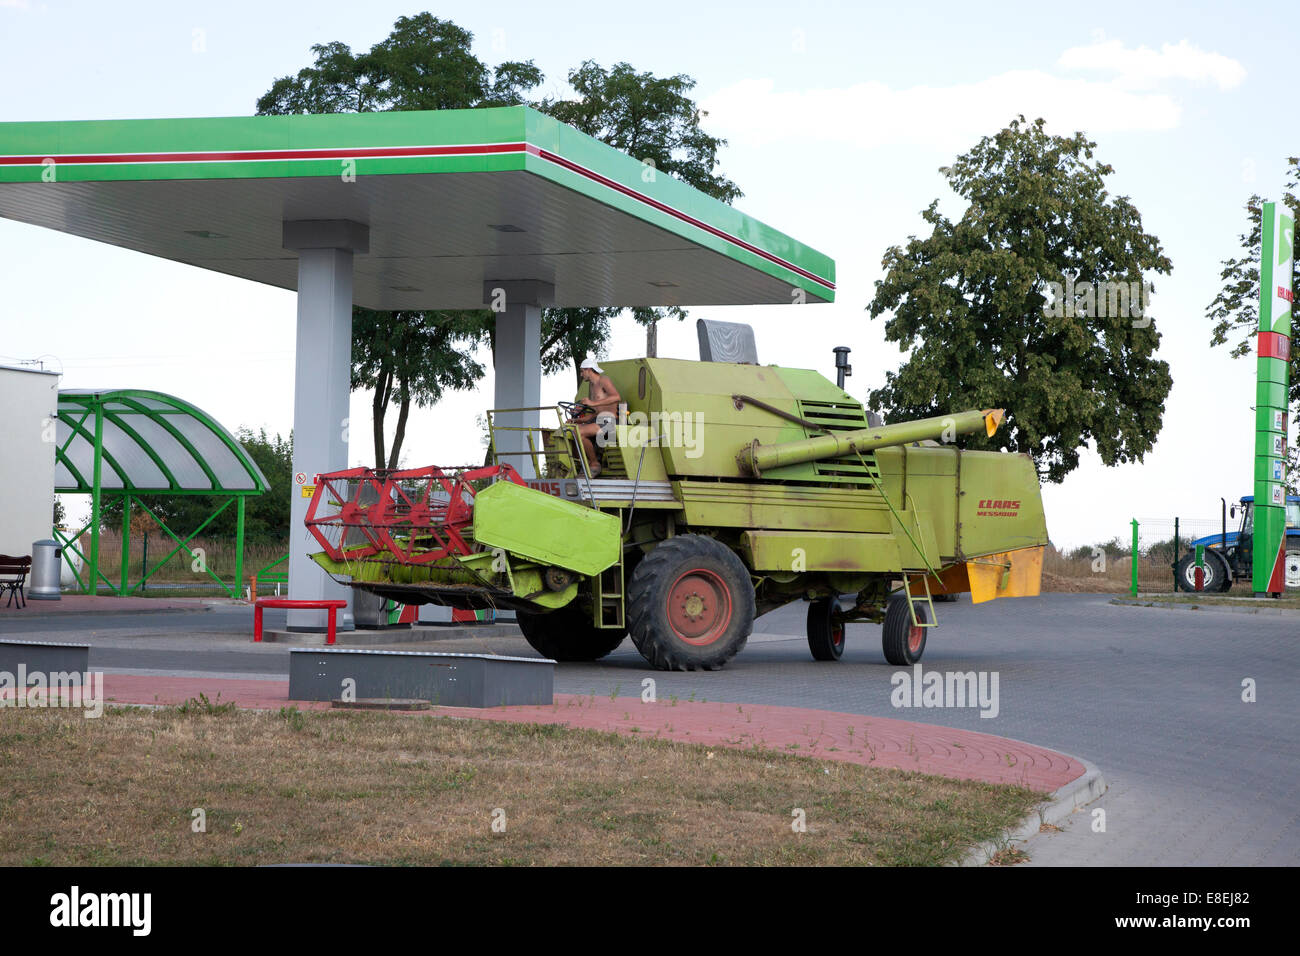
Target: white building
{"type": "Point", "coordinates": [29, 400]}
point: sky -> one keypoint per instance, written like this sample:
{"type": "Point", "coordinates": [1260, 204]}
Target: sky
{"type": "Point", "coordinates": [837, 116]}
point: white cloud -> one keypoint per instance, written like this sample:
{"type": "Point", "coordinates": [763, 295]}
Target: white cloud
{"type": "Point", "coordinates": [1142, 68]}
{"type": "Point", "coordinates": [872, 114]}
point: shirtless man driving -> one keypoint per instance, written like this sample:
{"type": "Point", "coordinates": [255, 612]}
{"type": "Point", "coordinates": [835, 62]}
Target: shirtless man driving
{"type": "Point", "coordinates": [602, 400]}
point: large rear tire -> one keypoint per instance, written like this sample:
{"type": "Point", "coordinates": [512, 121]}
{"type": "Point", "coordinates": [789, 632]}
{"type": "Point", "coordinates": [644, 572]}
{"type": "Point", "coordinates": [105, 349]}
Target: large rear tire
{"type": "Point", "coordinates": [825, 629]}
{"type": "Point", "coordinates": [568, 634]}
{"type": "Point", "coordinates": [1291, 563]}
{"type": "Point", "coordinates": [690, 604]}
{"type": "Point", "coordinates": [902, 641]}
{"type": "Point", "coordinates": [1215, 568]}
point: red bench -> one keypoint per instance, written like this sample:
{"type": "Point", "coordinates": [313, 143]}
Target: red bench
{"type": "Point", "coordinates": [331, 605]}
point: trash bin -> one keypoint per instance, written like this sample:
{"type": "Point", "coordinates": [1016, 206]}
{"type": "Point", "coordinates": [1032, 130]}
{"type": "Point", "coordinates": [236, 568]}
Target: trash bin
{"type": "Point", "coordinates": [47, 561]}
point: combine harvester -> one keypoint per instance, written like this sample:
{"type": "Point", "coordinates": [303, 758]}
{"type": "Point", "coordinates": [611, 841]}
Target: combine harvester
{"type": "Point", "coordinates": [727, 491]}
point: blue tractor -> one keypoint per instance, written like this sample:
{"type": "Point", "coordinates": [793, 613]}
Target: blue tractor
{"type": "Point", "coordinates": [1228, 554]}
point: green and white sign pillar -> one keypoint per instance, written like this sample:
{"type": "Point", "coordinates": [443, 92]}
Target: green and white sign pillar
{"type": "Point", "coordinates": [1275, 298]}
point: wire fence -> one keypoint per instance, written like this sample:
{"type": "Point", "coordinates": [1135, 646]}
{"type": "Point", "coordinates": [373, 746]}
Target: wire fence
{"type": "Point", "coordinates": [1109, 565]}
{"type": "Point", "coordinates": [184, 570]}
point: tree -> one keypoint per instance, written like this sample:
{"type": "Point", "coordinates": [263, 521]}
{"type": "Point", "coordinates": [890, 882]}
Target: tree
{"type": "Point", "coordinates": [652, 119]}
{"type": "Point", "coordinates": [411, 358]}
{"type": "Point", "coordinates": [971, 303]}
{"type": "Point", "coordinates": [266, 517]}
{"type": "Point", "coordinates": [424, 64]}
{"type": "Point", "coordinates": [1235, 310]}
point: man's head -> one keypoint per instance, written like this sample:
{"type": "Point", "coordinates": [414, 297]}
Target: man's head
{"type": "Point", "coordinates": [589, 370]}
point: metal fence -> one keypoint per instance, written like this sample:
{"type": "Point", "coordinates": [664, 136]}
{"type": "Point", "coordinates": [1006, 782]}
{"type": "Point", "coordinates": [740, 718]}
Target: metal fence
{"type": "Point", "coordinates": [1139, 560]}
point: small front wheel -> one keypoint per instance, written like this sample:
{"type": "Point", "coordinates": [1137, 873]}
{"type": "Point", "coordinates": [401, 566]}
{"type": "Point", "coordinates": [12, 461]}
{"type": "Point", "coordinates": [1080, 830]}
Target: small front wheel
{"type": "Point", "coordinates": [903, 642]}
{"type": "Point", "coordinates": [825, 629]}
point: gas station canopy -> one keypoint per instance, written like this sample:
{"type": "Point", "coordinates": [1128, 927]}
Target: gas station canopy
{"type": "Point", "coordinates": [451, 199]}
{"type": "Point", "coordinates": [453, 209]}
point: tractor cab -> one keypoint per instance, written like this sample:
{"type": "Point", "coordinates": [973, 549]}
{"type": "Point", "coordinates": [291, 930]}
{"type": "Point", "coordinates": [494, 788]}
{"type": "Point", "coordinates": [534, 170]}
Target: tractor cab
{"type": "Point", "coordinates": [1246, 535]}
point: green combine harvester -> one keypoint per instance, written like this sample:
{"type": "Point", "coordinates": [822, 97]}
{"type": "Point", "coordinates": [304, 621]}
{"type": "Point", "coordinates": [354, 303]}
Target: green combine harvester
{"type": "Point", "coordinates": [726, 491]}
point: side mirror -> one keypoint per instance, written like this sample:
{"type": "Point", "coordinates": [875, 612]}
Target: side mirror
{"type": "Point", "coordinates": [1232, 512]}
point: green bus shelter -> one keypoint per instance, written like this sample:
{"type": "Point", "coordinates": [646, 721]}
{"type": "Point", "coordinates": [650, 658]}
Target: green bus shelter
{"type": "Point", "coordinates": [129, 443]}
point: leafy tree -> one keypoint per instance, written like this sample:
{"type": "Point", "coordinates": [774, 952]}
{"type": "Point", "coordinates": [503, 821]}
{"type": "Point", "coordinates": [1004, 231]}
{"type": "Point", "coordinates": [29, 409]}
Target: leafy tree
{"type": "Point", "coordinates": [652, 119]}
{"type": "Point", "coordinates": [971, 303]}
{"type": "Point", "coordinates": [1235, 310]}
{"type": "Point", "coordinates": [266, 516]}
{"type": "Point", "coordinates": [424, 64]}
{"type": "Point", "coordinates": [412, 357]}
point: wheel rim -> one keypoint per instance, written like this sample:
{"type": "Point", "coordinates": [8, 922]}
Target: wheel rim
{"type": "Point", "coordinates": [699, 607]}
{"type": "Point", "coordinates": [837, 636]}
{"type": "Point", "coordinates": [1205, 580]}
{"type": "Point", "coordinates": [915, 638]}
{"type": "Point", "coordinates": [1293, 569]}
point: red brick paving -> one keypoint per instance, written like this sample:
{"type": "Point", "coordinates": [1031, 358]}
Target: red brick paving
{"type": "Point", "coordinates": [824, 734]}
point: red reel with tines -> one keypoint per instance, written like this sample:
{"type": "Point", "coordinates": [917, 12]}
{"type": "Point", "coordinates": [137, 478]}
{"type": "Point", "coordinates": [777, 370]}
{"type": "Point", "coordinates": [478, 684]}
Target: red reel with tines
{"type": "Point", "coordinates": [415, 515]}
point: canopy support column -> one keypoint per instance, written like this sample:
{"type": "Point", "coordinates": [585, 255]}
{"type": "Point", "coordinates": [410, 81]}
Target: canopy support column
{"type": "Point", "coordinates": [96, 500]}
{"type": "Point", "coordinates": [126, 544]}
{"type": "Point", "coordinates": [517, 362]}
{"type": "Point", "coordinates": [322, 388]}
{"type": "Point", "coordinates": [239, 546]}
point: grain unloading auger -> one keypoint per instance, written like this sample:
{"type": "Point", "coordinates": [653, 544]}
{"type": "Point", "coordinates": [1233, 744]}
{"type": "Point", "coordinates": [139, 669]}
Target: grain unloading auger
{"type": "Point", "coordinates": [726, 491]}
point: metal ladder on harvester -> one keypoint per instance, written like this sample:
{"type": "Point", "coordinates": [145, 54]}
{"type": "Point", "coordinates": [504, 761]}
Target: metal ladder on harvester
{"type": "Point", "coordinates": [607, 596]}
{"type": "Point", "coordinates": [607, 590]}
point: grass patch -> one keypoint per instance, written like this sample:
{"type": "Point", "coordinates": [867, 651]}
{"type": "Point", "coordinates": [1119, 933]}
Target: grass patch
{"type": "Point", "coordinates": [349, 787]}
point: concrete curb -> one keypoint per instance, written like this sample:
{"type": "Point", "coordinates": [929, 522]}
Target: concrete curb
{"type": "Point", "coordinates": [53, 613]}
{"type": "Point", "coordinates": [1059, 805]}
{"type": "Point", "coordinates": [412, 635]}
{"type": "Point", "coordinates": [1225, 608]}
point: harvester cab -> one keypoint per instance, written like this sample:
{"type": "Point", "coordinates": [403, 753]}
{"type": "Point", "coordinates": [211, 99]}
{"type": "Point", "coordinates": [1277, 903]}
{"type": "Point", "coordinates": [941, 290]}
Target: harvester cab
{"type": "Point", "coordinates": [726, 490]}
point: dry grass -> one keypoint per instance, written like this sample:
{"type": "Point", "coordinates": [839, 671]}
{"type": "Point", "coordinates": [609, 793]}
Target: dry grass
{"type": "Point", "coordinates": [218, 556]}
{"type": "Point", "coordinates": [377, 788]}
{"type": "Point", "coordinates": [1009, 856]}
{"type": "Point", "coordinates": [1062, 573]}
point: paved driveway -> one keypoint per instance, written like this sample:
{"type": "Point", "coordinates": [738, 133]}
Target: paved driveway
{"type": "Point", "coordinates": [1151, 696]}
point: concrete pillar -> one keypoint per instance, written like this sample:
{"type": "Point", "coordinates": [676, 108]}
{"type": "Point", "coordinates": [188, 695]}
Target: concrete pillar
{"type": "Point", "coordinates": [321, 389]}
{"type": "Point", "coordinates": [517, 361]}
